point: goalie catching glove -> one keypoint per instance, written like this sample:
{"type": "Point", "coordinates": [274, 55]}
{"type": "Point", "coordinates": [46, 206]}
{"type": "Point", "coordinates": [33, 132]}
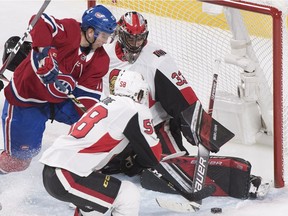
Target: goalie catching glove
{"type": "Point", "coordinates": [48, 65]}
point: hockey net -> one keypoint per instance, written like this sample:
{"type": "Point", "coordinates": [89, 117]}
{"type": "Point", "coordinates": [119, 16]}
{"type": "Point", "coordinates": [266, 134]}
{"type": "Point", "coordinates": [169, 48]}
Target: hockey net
{"type": "Point", "coordinates": [245, 43]}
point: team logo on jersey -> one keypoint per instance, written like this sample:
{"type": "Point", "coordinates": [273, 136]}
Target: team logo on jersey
{"type": "Point", "coordinates": [112, 79]}
{"type": "Point", "coordinates": [159, 53]}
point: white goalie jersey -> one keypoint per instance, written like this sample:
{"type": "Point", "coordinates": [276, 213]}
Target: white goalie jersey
{"type": "Point", "coordinates": [103, 132]}
{"type": "Point", "coordinates": [167, 85]}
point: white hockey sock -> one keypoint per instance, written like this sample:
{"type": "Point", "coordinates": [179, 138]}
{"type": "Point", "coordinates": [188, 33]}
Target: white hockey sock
{"type": "Point", "coordinates": [127, 201]}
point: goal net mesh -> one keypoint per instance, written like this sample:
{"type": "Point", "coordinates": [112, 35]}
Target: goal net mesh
{"type": "Point", "coordinates": [197, 38]}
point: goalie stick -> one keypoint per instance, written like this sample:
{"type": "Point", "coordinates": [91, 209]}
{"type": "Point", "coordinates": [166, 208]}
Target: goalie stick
{"type": "Point", "coordinates": [194, 196]}
{"type": "Point", "coordinates": [200, 168]}
{"type": "Point", "coordinates": [21, 41]}
{"type": "Point", "coordinates": [203, 153]}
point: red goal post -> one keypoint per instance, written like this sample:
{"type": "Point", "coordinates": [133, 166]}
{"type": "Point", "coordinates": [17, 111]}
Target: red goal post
{"type": "Point", "coordinates": [196, 39]}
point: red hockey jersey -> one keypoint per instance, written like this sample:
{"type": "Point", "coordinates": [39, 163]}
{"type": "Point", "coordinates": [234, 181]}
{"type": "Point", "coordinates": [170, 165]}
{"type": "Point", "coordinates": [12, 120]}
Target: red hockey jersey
{"type": "Point", "coordinates": [26, 88]}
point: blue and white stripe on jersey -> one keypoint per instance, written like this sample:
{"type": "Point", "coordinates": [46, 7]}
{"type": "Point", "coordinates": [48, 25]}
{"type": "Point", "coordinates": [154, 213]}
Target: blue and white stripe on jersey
{"type": "Point", "coordinates": [51, 21]}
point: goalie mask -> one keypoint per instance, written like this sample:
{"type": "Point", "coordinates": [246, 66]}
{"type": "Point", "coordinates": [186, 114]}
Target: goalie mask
{"type": "Point", "coordinates": [131, 84]}
{"type": "Point", "coordinates": [132, 31]}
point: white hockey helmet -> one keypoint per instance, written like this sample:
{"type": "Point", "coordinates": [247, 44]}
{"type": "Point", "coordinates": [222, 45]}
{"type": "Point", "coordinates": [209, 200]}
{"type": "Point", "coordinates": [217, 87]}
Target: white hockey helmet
{"type": "Point", "coordinates": [131, 84]}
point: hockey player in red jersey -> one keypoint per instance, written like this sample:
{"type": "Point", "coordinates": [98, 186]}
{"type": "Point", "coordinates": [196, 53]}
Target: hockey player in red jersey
{"type": "Point", "coordinates": [73, 164]}
{"type": "Point", "coordinates": [65, 51]}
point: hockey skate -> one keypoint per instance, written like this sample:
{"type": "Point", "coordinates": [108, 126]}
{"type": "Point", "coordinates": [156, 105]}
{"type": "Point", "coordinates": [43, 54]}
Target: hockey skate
{"type": "Point", "coordinates": [258, 189]}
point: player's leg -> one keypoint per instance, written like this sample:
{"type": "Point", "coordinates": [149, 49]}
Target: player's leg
{"type": "Point", "coordinates": [96, 193]}
{"type": "Point", "coordinates": [22, 131]}
{"type": "Point", "coordinates": [65, 112]}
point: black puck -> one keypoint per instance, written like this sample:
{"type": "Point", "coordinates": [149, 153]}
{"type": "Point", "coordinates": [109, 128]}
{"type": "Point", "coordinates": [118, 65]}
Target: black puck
{"type": "Point", "coordinates": [216, 210]}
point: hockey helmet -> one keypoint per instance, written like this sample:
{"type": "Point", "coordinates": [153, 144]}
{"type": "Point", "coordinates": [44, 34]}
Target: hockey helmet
{"type": "Point", "coordinates": [132, 31]}
{"type": "Point", "coordinates": [100, 19]}
{"type": "Point", "coordinates": [22, 53]}
{"type": "Point", "coordinates": [131, 84]}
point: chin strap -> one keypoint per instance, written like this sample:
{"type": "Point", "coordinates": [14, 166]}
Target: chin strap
{"type": "Point", "coordinates": [86, 50]}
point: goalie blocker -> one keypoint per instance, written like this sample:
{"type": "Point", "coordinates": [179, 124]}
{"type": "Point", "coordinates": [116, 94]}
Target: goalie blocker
{"type": "Point", "coordinates": [198, 127]}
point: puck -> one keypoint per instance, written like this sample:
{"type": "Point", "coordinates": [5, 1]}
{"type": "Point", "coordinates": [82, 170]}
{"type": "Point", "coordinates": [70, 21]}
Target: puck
{"type": "Point", "coordinates": [216, 210]}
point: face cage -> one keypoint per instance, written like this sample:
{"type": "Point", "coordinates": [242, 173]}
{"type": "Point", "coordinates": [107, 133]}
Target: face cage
{"type": "Point", "coordinates": [129, 43]}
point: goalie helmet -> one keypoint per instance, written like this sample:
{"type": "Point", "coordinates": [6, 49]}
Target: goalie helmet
{"type": "Point", "coordinates": [131, 84]}
{"type": "Point", "coordinates": [132, 31]}
{"type": "Point", "coordinates": [100, 19]}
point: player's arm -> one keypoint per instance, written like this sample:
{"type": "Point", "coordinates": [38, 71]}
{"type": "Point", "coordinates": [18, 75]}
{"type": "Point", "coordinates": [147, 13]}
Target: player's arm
{"type": "Point", "coordinates": [180, 101]}
{"type": "Point", "coordinates": [144, 141]}
{"type": "Point", "coordinates": [46, 29]}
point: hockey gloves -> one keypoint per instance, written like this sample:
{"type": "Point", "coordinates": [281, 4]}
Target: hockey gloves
{"type": "Point", "coordinates": [130, 167]}
{"type": "Point", "coordinates": [48, 66]}
{"type": "Point", "coordinates": [125, 162]}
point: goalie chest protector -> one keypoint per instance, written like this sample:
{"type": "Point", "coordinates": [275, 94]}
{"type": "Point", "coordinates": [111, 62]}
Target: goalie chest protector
{"type": "Point", "coordinates": [230, 175]}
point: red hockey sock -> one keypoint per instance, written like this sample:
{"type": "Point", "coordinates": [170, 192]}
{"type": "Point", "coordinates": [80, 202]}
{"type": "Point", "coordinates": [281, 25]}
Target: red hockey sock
{"type": "Point", "coordinates": [11, 164]}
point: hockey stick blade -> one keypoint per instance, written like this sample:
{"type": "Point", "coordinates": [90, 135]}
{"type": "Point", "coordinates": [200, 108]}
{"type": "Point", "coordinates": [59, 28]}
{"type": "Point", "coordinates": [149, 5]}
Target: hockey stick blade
{"type": "Point", "coordinates": [174, 155]}
{"type": "Point", "coordinates": [21, 41]}
{"type": "Point", "coordinates": [187, 206]}
{"type": "Point", "coordinates": [178, 206]}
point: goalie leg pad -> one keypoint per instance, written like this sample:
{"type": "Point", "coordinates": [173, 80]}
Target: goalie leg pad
{"type": "Point", "coordinates": [230, 175]}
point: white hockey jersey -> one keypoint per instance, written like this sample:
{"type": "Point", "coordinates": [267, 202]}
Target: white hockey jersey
{"type": "Point", "coordinates": [170, 92]}
{"type": "Point", "coordinates": [103, 132]}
